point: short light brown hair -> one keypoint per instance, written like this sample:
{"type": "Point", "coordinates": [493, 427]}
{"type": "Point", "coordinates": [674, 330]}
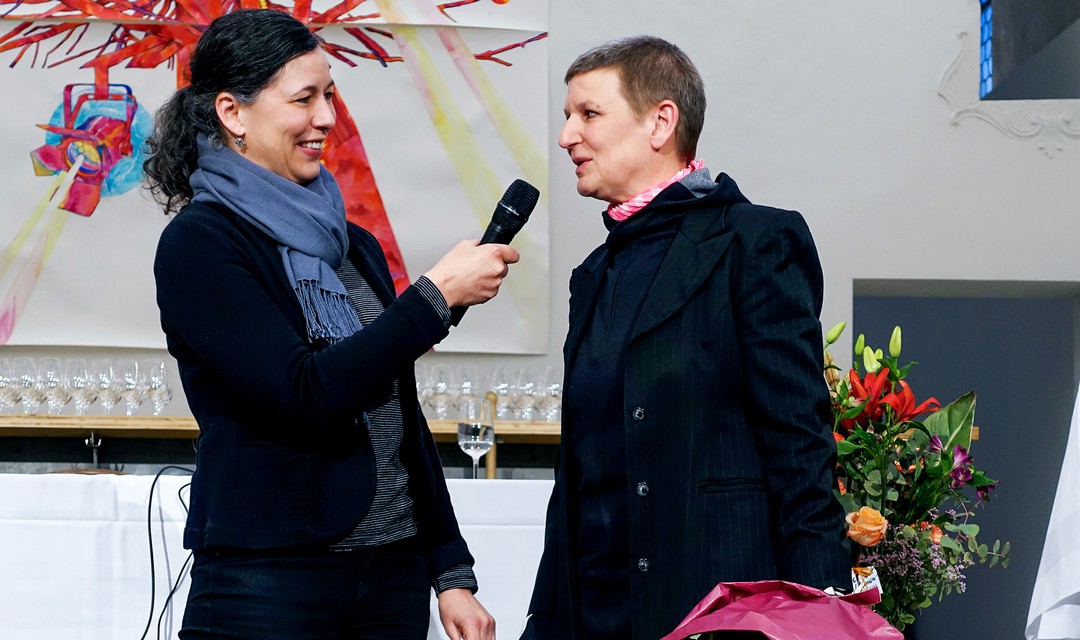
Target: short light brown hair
{"type": "Point", "coordinates": [652, 70]}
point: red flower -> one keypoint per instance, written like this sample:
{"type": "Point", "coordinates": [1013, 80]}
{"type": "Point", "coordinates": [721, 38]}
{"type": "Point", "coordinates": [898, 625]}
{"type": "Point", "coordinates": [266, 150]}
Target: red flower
{"type": "Point", "coordinates": [903, 404]}
{"type": "Point", "coordinates": [870, 391]}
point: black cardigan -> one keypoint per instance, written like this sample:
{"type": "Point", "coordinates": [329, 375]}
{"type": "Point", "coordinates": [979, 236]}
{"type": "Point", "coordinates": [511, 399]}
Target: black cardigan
{"type": "Point", "coordinates": [284, 458]}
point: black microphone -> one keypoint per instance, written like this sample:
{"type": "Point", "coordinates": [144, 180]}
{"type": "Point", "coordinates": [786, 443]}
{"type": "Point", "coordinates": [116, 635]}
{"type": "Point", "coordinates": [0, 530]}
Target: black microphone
{"type": "Point", "coordinates": [510, 216]}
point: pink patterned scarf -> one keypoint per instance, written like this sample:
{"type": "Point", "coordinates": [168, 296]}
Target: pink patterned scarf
{"type": "Point", "coordinates": [620, 212]}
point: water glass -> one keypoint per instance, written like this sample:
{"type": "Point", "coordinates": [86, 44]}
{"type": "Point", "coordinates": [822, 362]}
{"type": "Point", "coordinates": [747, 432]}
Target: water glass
{"type": "Point", "coordinates": [476, 429]}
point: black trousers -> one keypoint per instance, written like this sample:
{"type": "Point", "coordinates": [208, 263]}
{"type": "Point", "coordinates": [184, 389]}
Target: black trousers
{"type": "Point", "coordinates": [380, 593]}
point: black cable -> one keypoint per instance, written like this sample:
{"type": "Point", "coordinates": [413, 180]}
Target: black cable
{"type": "Point", "coordinates": [183, 567]}
{"type": "Point", "coordinates": [172, 592]}
{"type": "Point", "coordinates": [150, 541]}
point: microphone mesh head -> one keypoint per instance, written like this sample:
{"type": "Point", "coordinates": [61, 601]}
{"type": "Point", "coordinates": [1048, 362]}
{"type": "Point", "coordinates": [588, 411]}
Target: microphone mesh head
{"type": "Point", "coordinates": [521, 197]}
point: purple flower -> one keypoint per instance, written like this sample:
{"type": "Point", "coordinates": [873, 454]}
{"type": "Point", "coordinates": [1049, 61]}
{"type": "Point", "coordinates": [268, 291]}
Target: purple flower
{"type": "Point", "coordinates": [963, 468]}
{"type": "Point", "coordinates": [984, 492]}
{"type": "Point", "coordinates": [935, 445]}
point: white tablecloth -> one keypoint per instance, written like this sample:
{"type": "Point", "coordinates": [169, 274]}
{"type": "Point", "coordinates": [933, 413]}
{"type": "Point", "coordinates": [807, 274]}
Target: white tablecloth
{"type": "Point", "coordinates": [1054, 613]}
{"type": "Point", "coordinates": [75, 557]}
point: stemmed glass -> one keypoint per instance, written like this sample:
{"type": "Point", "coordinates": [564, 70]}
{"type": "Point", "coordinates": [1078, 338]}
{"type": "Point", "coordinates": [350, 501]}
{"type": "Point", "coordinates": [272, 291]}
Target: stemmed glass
{"type": "Point", "coordinates": [30, 394]}
{"type": "Point", "coordinates": [423, 384]}
{"type": "Point", "coordinates": [500, 385]}
{"type": "Point", "coordinates": [9, 386]}
{"type": "Point", "coordinates": [550, 403]}
{"type": "Point", "coordinates": [132, 383]}
{"type": "Point", "coordinates": [468, 382]}
{"type": "Point", "coordinates": [523, 394]}
{"type": "Point", "coordinates": [51, 382]}
{"type": "Point", "coordinates": [442, 391]}
{"type": "Point", "coordinates": [476, 429]}
{"type": "Point", "coordinates": [81, 384]}
{"type": "Point", "coordinates": [158, 389]}
{"type": "Point", "coordinates": [108, 384]}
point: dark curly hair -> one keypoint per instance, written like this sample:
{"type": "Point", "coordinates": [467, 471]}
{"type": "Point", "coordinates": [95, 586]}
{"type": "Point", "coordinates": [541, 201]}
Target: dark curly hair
{"type": "Point", "coordinates": [240, 53]}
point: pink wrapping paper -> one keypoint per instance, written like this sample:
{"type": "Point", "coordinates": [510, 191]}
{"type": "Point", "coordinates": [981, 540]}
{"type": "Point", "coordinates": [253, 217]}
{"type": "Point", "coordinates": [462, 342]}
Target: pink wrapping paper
{"type": "Point", "coordinates": [786, 611]}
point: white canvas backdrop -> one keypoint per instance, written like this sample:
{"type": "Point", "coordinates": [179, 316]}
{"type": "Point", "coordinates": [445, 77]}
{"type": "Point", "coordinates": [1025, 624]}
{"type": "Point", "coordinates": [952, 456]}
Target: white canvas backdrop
{"type": "Point", "coordinates": [95, 286]}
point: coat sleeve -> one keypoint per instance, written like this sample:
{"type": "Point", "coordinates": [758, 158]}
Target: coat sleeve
{"type": "Point", "coordinates": [777, 299]}
{"type": "Point", "coordinates": [224, 312]}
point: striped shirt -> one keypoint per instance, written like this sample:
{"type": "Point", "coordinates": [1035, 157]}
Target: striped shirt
{"type": "Point", "coordinates": [391, 515]}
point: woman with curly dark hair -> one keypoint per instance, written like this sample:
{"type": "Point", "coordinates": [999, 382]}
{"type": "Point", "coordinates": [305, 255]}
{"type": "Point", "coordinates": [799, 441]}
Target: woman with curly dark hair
{"type": "Point", "coordinates": [318, 505]}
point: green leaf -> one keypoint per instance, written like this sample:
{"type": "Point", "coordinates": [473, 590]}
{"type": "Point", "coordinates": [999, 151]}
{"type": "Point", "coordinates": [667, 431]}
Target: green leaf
{"type": "Point", "coordinates": [952, 423]}
{"type": "Point", "coordinates": [971, 530]}
{"type": "Point", "coordinates": [950, 544]}
{"type": "Point", "coordinates": [849, 502]}
{"type": "Point", "coordinates": [846, 447]}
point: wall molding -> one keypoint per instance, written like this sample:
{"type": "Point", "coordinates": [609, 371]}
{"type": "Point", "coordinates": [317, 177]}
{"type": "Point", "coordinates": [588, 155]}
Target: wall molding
{"type": "Point", "coordinates": [1052, 125]}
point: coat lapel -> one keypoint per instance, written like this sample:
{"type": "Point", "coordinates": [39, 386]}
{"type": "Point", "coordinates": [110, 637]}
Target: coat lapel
{"type": "Point", "coordinates": [364, 257]}
{"type": "Point", "coordinates": [584, 285]}
{"type": "Point", "coordinates": [697, 248]}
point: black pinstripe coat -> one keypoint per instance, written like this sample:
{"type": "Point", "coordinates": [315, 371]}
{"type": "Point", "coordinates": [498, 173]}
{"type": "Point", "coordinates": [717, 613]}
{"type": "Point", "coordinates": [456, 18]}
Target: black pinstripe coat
{"type": "Point", "coordinates": [729, 453]}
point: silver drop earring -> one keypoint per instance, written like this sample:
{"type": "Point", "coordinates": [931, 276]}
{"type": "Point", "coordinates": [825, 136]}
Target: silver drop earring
{"type": "Point", "coordinates": [239, 142]}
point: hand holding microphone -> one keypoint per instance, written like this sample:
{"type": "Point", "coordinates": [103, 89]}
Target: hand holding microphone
{"type": "Point", "coordinates": [472, 272]}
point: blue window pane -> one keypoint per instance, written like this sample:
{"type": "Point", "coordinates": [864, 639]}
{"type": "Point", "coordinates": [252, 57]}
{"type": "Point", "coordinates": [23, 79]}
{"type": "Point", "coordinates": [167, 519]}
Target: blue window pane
{"type": "Point", "coordinates": [986, 58]}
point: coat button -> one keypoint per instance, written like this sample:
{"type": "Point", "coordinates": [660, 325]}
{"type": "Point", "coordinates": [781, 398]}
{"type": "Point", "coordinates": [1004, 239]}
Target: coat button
{"type": "Point", "coordinates": [638, 414]}
{"type": "Point", "coordinates": [642, 489]}
{"type": "Point", "coordinates": [643, 565]}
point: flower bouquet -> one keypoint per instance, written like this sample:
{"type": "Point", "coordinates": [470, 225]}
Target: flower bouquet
{"type": "Point", "coordinates": [906, 479]}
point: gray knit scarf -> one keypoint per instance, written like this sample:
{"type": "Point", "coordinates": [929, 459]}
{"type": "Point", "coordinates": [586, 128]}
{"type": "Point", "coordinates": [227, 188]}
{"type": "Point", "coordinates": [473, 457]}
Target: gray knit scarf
{"type": "Point", "coordinates": [307, 222]}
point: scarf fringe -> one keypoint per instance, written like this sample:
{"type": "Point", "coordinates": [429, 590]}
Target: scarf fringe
{"type": "Point", "coordinates": [328, 314]}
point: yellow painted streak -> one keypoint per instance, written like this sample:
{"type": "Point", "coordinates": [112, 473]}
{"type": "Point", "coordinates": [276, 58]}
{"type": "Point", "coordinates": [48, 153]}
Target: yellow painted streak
{"type": "Point", "coordinates": [524, 150]}
{"type": "Point", "coordinates": [468, 159]}
{"type": "Point", "coordinates": [466, 156]}
{"type": "Point", "coordinates": [16, 244]}
{"type": "Point", "coordinates": [22, 287]}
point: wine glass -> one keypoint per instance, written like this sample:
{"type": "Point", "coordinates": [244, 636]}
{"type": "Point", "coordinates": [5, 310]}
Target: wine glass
{"type": "Point", "coordinates": [476, 429]}
{"type": "Point", "coordinates": [468, 382]}
{"type": "Point", "coordinates": [423, 383]}
{"type": "Point", "coordinates": [523, 394]}
{"type": "Point", "coordinates": [108, 386]}
{"type": "Point", "coordinates": [9, 386]}
{"type": "Point", "coordinates": [550, 404]}
{"type": "Point", "coordinates": [157, 379]}
{"type": "Point", "coordinates": [51, 381]}
{"type": "Point", "coordinates": [30, 394]}
{"type": "Point", "coordinates": [132, 379]}
{"type": "Point", "coordinates": [81, 384]}
{"type": "Point", "coordinates": [442, 390]}
{"type": "Point", "coordinates": [500, 384]}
